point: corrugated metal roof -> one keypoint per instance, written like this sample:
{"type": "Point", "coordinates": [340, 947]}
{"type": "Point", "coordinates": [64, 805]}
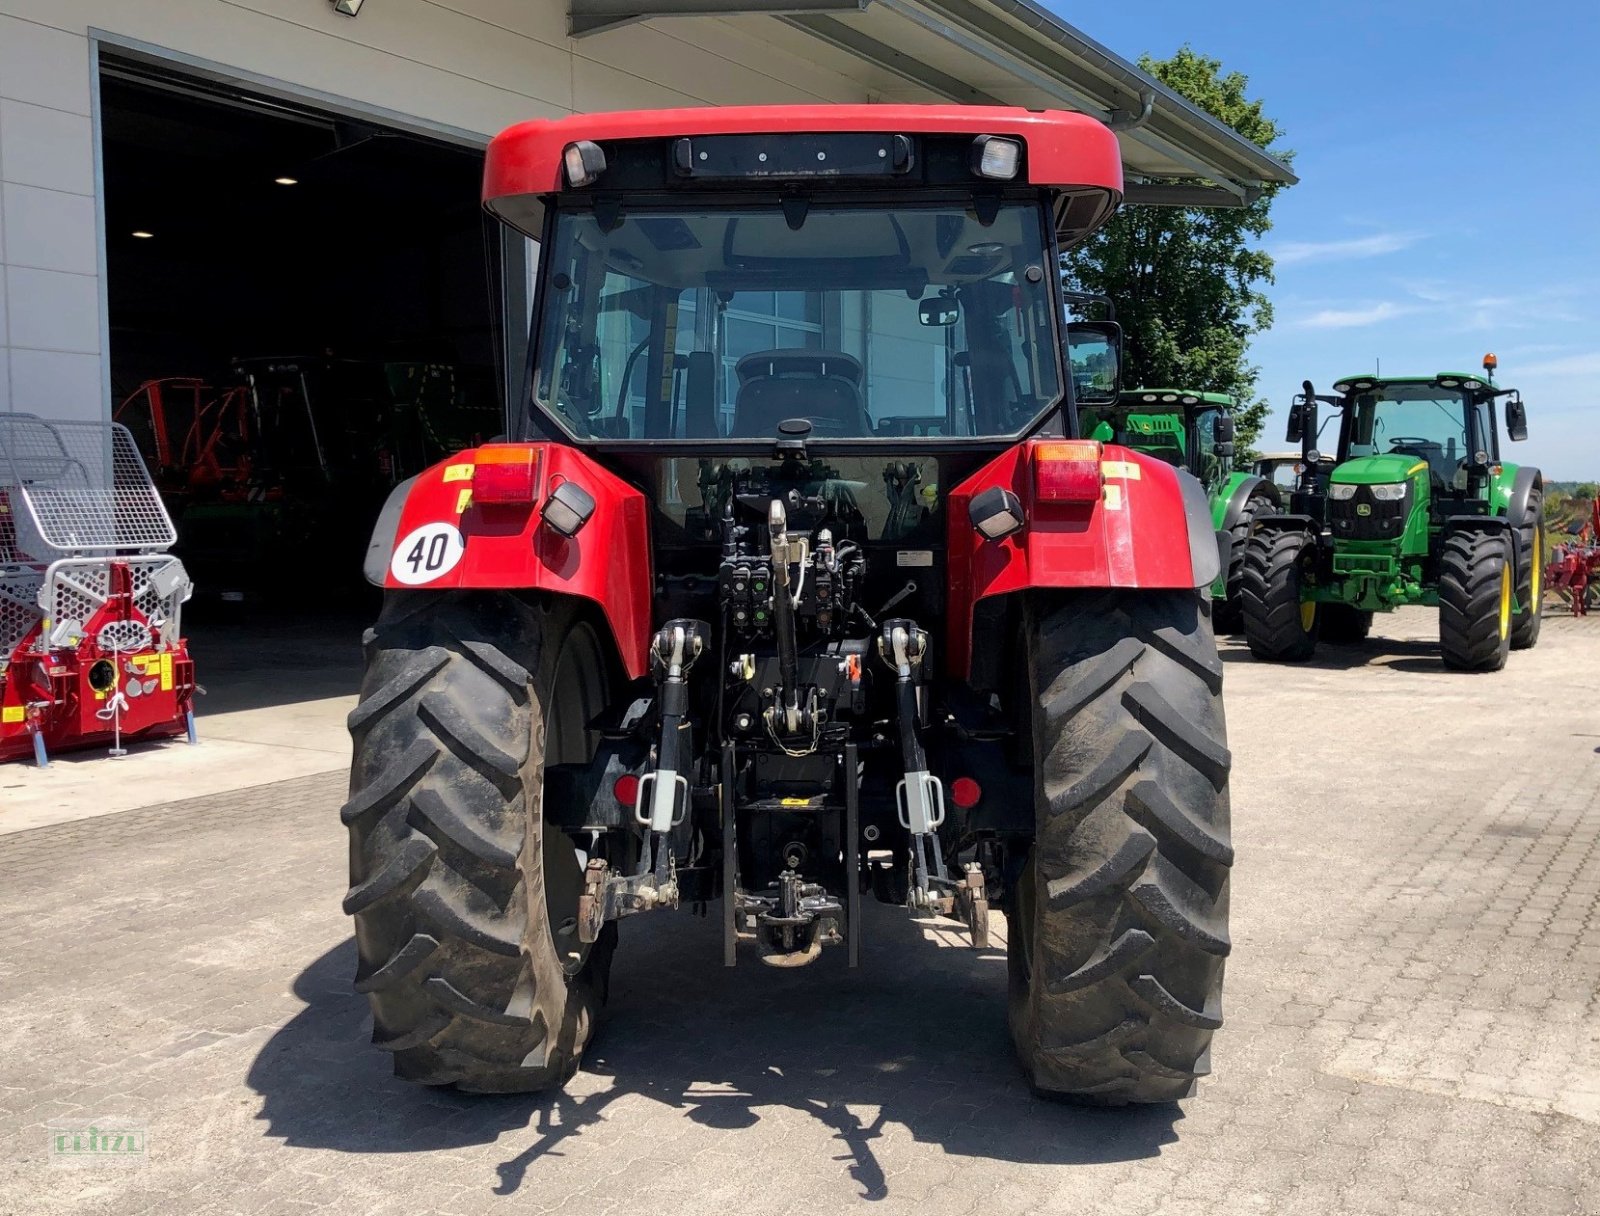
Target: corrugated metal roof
{"type": "Point", "coordinates": [1011, 52]}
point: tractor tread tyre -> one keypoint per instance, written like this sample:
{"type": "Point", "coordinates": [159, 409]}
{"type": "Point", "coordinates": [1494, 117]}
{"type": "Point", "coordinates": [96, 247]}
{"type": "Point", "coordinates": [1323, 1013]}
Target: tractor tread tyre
{"type": "Point", "coordinates": [1118, 929]}
{"type": "Point", "coordinates": [1472, 636]}
{"type": "Point", "coordinates": [1531, 544]}
{"type": "Point", "coordinates": [1269, 591]}
{"type": "Point", "coordinates": [447, 886]}
{"type": "Point", "coordinates": [1228, 615]}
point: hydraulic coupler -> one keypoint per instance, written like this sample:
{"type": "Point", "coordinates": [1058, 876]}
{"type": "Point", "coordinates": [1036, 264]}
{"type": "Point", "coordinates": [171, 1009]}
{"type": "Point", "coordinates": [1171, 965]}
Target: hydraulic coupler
{"type": "Point", "coordinates": [920, 795]}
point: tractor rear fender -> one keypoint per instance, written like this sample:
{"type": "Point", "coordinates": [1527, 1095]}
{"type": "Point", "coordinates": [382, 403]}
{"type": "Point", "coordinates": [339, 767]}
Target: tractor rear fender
{"type": "Point", "coordinates": [1150, 528]}
{"type": "Point", "coordinates": [1249, 487]}
{"type": "Point", "coordinates": [434, 533]}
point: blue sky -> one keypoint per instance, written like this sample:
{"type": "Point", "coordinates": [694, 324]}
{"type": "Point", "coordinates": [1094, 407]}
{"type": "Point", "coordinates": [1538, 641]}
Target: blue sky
{"type": "Point", "coordinates": [1449, 196]}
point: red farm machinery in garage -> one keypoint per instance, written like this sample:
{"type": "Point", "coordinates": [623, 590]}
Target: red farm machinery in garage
{"type": "Point", "coordinates": [90, 600]}
{"type": "Point", "coordinates": [1574, 569]}
{"type": "Point", "coordinates": [796, 583]}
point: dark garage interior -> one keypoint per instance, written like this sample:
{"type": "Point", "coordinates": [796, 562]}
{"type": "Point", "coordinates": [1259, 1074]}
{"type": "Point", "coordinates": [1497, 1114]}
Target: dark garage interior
{"type": "Point", "coordinates": [304, 311]}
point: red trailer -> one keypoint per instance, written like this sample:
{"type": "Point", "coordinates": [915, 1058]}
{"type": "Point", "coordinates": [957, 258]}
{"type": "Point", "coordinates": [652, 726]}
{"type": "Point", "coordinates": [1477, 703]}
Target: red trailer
{"type": "Point", "coordinates": [91, 648]}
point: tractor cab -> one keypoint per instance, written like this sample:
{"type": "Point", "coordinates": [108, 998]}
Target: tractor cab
{"type": "Point", "coordinates": [1189, 430]}
{"type": "Point", "coordinates": [1192, 431]}
{"type": "Point", "coordinates": [1435, 434]}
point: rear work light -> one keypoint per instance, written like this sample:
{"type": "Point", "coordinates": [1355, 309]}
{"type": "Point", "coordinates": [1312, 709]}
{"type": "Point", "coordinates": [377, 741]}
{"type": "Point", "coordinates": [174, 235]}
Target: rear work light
{"type": "Point", "coordinates": [996, 158]}
{"type": "Point", "coordinates": [506, 474]}
{"type": "Point", "coordinates": [1067, 471]}
{"type": "Point", "coordinates": [584, 161]}
{"type": "Point", "coordinates": [996, 513]}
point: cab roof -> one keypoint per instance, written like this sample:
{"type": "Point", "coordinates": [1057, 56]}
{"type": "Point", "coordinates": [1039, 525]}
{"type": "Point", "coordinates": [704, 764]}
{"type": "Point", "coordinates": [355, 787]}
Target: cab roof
{"type": "Point", "coordinates": [1063, 150]}
{"type": "Point", "coordinates": [1466, 379]}
{"type": "Point", "coordinates": [1139, 397]}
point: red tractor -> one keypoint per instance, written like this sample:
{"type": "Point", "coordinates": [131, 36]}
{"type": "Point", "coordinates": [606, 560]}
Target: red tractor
{"type": "Point", "coordinates": [796, 584]}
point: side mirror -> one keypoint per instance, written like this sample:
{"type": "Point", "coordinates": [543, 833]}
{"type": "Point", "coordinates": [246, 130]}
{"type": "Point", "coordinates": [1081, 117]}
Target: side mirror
{"type": "Point", "coordinates": [1296, 429]}
{"type": "Point", "coordinates": [941, 310]}
{"type": "Point", "coordinates": [1224, 430]}
{"type": "Point", "coordinates": [1516, 420]}
{"type": "Point", "coordinates": [1225, 449]}
{"type": "Point", "coordinates": [1094, 361]}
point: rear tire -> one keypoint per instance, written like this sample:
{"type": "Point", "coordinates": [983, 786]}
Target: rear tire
{"type": "Point", "coordinates": [1475, 580]}
{"type": "Point", "coordinates": [1228, 616]}
{"type": "Point", "coordinates": [1530, 582]}
{"type": "Point", "coordinates": [1343, 625]}
{"type": "Point", "coordinates": [1118, 929]}
{"type": "Point", "coordinates": [459, 891]}
{"type": "Point", "coordinates": [1279, 624]}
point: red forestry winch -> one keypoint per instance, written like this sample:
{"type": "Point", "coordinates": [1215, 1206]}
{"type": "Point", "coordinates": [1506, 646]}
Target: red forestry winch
{"type": "Point", "coordinates": [90, 642]}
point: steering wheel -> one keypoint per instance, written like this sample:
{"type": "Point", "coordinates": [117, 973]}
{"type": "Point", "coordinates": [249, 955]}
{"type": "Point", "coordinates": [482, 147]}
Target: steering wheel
{"type": "Point", "coordinates": [1410, 441]}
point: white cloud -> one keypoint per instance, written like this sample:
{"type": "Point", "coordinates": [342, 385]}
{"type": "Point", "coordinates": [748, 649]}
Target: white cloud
{"type": "Point", "coordinates": [1353, 318]}
{"type": "Point", "coordinates": [1376, 245]}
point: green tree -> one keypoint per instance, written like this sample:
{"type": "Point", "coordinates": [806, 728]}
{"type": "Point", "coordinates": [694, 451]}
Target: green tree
{"type": "Point", "coordinates": [1187, 282]}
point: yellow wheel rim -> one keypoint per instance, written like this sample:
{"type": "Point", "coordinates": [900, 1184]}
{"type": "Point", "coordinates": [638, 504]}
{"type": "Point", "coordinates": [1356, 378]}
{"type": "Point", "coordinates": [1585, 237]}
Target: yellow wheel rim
{"type": "Point", "coordinates": [1308, 615]}
{"type": "Point", "coordinates": [1538, 569]}
{"type": "Point", "coordinates": [1505, 600]}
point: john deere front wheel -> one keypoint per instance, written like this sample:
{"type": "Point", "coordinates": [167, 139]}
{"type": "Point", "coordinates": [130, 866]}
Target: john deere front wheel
{"type": "Point", "coordinates": [1280, 623]}
{"type": "Point", "coordinates": [1475, 585]}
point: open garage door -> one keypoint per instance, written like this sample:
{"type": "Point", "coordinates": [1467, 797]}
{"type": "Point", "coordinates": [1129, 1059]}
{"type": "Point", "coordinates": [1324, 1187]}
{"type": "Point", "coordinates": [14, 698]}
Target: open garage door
{"type": "Point", "coordinates": [304, 311]}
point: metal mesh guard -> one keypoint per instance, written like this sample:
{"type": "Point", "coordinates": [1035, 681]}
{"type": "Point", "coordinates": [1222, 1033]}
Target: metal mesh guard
{"type": "Point", "coordinates": [83, 485]}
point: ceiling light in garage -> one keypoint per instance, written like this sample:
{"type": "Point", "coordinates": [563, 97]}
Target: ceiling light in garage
{"type": "Point", "coordinates": [287, 181]}
{"type": "Point", "coordinates": [142, 234]}
{"type": "Point", "coordinates": [348, 8]}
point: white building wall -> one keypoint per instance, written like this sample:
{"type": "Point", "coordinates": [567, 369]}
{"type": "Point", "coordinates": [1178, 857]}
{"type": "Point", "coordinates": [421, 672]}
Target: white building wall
{"type": "Point", "coordinates": [474, 66]}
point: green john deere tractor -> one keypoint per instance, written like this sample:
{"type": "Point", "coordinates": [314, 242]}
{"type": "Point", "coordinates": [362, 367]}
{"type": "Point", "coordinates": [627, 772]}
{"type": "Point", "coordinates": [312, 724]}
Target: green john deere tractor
{"type": "Point", "coordinates": [1416, 508]}
{"type": "Point", "coordinates": [1193, 431]}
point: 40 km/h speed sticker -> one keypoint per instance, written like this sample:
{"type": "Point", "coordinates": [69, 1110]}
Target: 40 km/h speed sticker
{"type": "Point", "coordinates": [429, 552]}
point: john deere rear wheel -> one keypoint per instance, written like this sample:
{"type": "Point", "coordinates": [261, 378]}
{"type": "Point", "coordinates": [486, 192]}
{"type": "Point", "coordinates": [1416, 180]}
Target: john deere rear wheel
{"type": "Point", "coordinates": [1475, 582]}
{"type": "Point", "coordinates": [1530, 579]}
{"type": "Point", "coordinates": [465, 902]}
{"type": "Point", "coordinates": [1228, 616]}
{"type": "Point", "coordinates": [1279, 623]}
{"type": "Point", "coordinates": [1119, 929]}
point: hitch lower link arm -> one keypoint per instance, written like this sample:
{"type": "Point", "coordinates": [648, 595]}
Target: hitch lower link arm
{"type": "Point", "coordinates": [920, 795]}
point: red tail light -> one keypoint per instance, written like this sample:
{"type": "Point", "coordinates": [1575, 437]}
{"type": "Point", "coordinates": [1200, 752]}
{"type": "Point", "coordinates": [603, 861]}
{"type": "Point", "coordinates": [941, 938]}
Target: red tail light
{"type": "Point", "coordinates": [626, 789]}
{"type": "Point", "coordinates": [965, 793]}
{"type": "Point", "coordinates": [1067, 470]}
{"type": "Point", "coordinates": [506, 473]}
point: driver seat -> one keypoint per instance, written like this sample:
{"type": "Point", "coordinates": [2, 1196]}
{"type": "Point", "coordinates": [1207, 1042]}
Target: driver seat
{"type": "Point", "coordinates": [821, 385]}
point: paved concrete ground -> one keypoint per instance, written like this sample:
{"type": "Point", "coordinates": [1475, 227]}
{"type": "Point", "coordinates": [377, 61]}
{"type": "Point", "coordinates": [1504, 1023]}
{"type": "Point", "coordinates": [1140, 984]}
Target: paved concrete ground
{"type": "Point", "coordinates": [1412, 1014]}
{"type": "Point", "coordinates": [277, 692]}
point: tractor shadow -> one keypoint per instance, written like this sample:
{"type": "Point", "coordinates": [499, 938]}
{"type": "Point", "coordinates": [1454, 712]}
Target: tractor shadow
{"type": "Point", "coordinates": [1392, 653]}
{"type": "Point", "coordinates": [251, 658]}
{"type": "Point", "coordinates": [915, 1037]}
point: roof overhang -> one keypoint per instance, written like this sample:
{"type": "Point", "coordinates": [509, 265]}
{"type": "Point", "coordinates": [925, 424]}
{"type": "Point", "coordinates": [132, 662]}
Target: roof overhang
{"type": "Point", "coordinates": [991, 52]}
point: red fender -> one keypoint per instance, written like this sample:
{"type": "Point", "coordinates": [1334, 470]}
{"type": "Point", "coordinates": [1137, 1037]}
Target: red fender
{"type": "Point", "coordinates": [507, 546]}
{"type": "Point", "coordinates": [1148, 529]}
